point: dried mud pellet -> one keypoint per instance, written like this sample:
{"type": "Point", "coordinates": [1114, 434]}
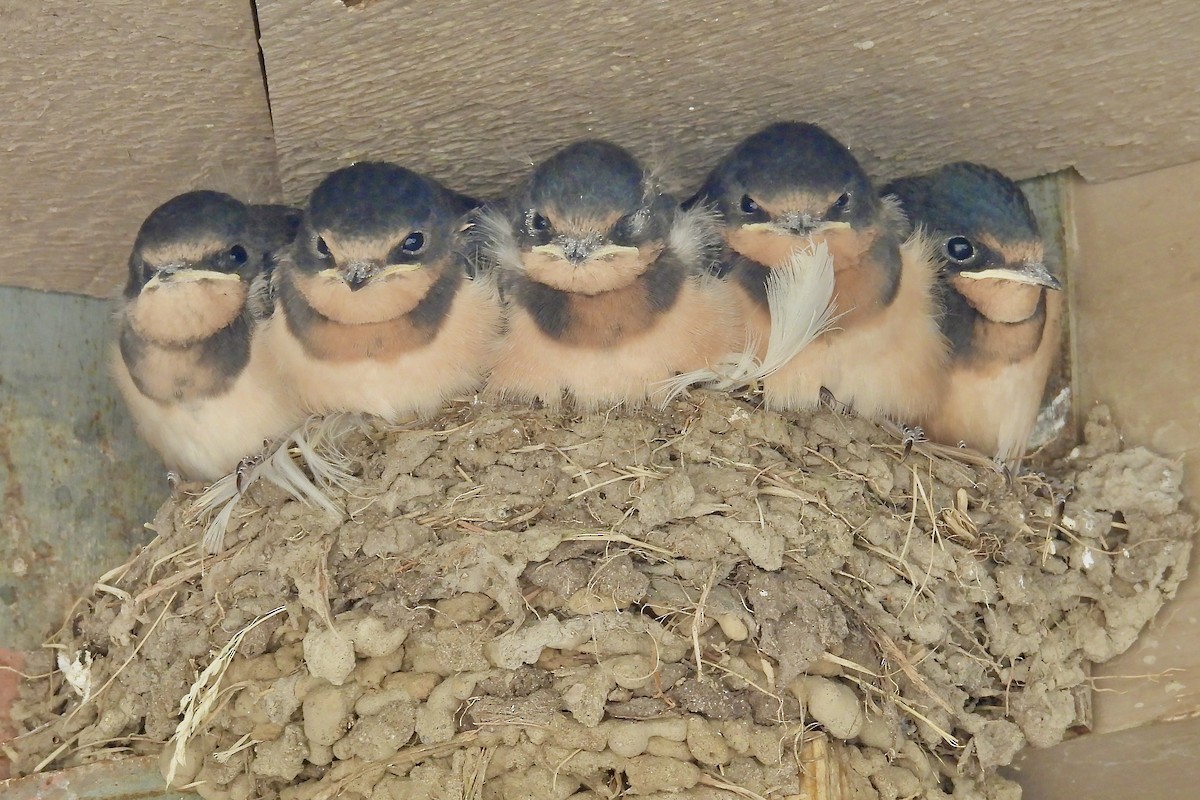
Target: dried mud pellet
{"type": "Point", "coordinates": [876, 732]}
{"type": "Point", "coordinates": [193, 760]}
{"type": "Point", "coordinates": [649, 774]}
{"type": "Point", "coordinates": [284, 757]}
{"type": "Point", "coordinates": [242, 788]}
{"type": "Point", "coordinates": [378, 736]}
{"type": "Point", "coordinates": [258, 668]}
{"type": "Point", "coordinates": [370, 673]}
{"type": "Point", "coordinates": [533, 782]}
{"type": "Point", "coordinates": [585, 695]}
{"type": "Point", "coordinates": [374, 638]}
{"type": "Point", "coordinates": [112, 720]}
{"type": "Point", "coordinates": [435, 718]}
{"type": "Point", "coordinates": [706, 744]}
{"type": "Point", "coordinates": [320, 754]}
{"type": "Point", "coordinates": [449, 651]}
{"type": "Point", "coordinates": [210, 790]}
{"type": "Point", "coordinates": [630, 739]}
{"type": "Point", "coordinates": [733, 627]}
{"type": "Point", "coordinates": [416, 685]}
{"type": "Point", "coordinates": [768, 746]}
{"type": "Point", "coordinates": [589, 764]}
{"type": "Point", "coordinates": [630, 672]}
{"type": "Point", "coordinates": [736, 734]}
{"type": "Point", "coordinates": [665, 748]}
{"type": "Point", "coordinates": [915, 759]}
{"type": "Point", "coordinates": [280, 702]}
{"type": "Point", "coordinates": [327, 713]}
{"type": "Point", "coordinates": [455, 611]}
{"type": "Point", "coordinates": [896, 782]}
{"type": "Point", "coordinates": [329, 654]}
{"type": "Point", "coordinates": [586, 602]}
{"type": "Point", "coordinates": [525, 645]}
{"type": "Point", "coordinates": [288, 658]}
{"type": "Point", "coordinates": [833, 704]}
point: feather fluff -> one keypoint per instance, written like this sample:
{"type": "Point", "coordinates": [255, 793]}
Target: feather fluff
{"type": "Point", "coordinates": [802, 305]}
{"type": "Point", "coordinates": [315, 444]}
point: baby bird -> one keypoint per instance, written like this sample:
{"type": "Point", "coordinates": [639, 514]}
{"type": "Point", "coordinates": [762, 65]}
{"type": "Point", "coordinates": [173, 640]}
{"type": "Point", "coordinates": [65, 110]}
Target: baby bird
{"type": "Point", "coordinates": [606, 283]}
{"type": "Point", "coordinates": [1002, 307]}
{"type": "Point", "coordinates": [188, 359]}
{"type": "Point", "coordinates": [376, 313]}
{"type": "Point", "coordinates": [788, 188]}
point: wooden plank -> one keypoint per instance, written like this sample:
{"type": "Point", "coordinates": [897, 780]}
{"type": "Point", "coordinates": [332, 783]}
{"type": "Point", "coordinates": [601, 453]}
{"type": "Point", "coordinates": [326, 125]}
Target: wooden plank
{"type": "Point", "coordinates": [1135, 287]}
{"type": "Point", "coordinates": [112, 107]}
{"type": "Point", "coordinates": [472, 91]}
{"type": "Point", "coordinates": [1157, 761]}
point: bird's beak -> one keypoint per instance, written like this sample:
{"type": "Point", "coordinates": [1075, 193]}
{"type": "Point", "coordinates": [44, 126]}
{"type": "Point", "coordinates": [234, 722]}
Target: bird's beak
{"type": "Point", "coordinates": [578, 250]}
{"type": "Point", "coordinates": [358, 274]}
{"type": "Point", "coordinates": [1033, 273]}
{"type": "Point", "coordinates": [181, 273]}
{"type": "Point", "coordinates": [794, 223]}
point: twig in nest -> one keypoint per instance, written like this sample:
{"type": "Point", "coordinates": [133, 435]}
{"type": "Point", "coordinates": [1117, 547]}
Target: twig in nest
{"type": "Point", "coordinates": [619, 537]}
{"type": "Point", "coordinates": [708, 779]}
{"type": "Point", "coordinates": [401, 761]}
{"type": "Point", "coordinates": [91, 698]}
{"type": "Point", "coordinates": [200, 699]}
{"type": "Point", "coordinates": [908, 709]}
{"type": "Point", "coordinates": [884, 642]}
{"type": "Point", "coordinates": [475, 772]}
{"type": "Point", "coordinates": [698, 619]}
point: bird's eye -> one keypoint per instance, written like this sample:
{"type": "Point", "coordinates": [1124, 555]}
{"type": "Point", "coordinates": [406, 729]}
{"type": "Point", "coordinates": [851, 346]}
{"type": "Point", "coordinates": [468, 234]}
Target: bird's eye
{"type": "Point", "coordinates": [960, 249]}
{"type": "Point", "coordinates": [842, 203]}
{"type": "Point", "coordinates": [538, 222]}
{"type": "Point", "coordinates": [322, 247]}
{"type": "Point", "coordinates": [413, 243]}
{"type": "Point", "coordinates": [147, 272]}
{"type": "Point", "coordinates": [237, 255]}
{"type": "Point", "coordinates": [748, 205]}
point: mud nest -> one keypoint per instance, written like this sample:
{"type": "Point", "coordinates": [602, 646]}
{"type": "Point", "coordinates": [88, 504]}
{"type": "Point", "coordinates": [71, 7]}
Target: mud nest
{"type": "Point", "coordinates": [713, 599]}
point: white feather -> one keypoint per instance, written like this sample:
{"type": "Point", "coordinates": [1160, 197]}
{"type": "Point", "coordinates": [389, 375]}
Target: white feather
{"type": "Point", "coordinates": [694, 236]}
{"type": "Point", "coordinates": [802, 307]}
{"type": "Point", "coordinates": [499, 243]}
{"type": "Point", "coordinates": [316, 443]}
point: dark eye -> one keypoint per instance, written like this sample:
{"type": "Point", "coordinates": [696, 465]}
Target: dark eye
{"type": "Point", "coordinates": [147, 273]}
{"type": "Point", "coordinates": [960, 249]}
{"type": "Point", "coordinates": [413, 243]}
{"type": "Point", "coordinates": [748, 205]}
{"type": "Point", "coordinates": [237, 254]}
{"type": "Point", "coordinates": [538, 222]}
{"type": "Point", "coordinates": [842, 203]}
{"type": "Point", "coordinates": [322, 248]}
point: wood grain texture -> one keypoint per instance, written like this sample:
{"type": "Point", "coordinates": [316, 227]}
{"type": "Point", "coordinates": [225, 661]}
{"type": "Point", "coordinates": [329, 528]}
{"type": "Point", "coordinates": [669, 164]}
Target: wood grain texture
{"type": "Point", "coordinates": [471, 92]}
{"type": "Point", "coordinates": [1158, 761]}
{"type": "Point", "coordinates": [1135, 293]}
{"type": "Point", "coordinates": [111, 107]}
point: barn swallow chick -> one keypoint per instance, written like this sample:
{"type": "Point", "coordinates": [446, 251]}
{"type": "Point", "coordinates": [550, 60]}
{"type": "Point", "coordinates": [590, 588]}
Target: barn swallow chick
{"type": "Point", "coordinates": [1002, 306]}
{"type": "Point", "coordinates": [188, 358]}
{"type": "Point", "coordinates": [376, 313]}
{"type": "Point", "coordinates": [605, 280]}
{"type": "Point", "coordinates": [790, 188]}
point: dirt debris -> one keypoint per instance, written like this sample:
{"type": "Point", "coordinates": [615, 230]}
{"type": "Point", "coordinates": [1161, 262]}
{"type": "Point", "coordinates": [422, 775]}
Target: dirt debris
{"type": "Point", "coordinates": [520, 603]}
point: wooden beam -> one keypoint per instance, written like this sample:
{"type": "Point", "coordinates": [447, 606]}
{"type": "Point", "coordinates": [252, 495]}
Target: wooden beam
{"type": "Point", "coordinates": [472, 91]}
{"type": "Point", "coordinates": [111, 107]}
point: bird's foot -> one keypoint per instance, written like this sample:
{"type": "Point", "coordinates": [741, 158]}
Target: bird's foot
{"type": "Point", "coordinates": [913, 436]}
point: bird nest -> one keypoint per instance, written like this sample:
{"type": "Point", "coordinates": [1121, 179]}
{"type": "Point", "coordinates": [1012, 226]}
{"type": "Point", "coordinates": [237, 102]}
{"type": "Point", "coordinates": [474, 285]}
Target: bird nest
{"type": "Point", "coordinates": [711, 599]}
